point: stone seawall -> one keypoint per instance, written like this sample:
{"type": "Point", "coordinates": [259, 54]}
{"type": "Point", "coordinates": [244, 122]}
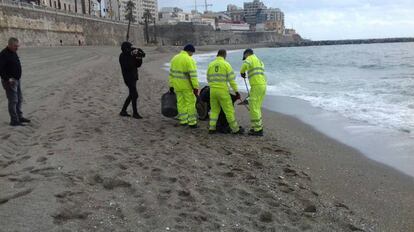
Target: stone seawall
{"type": "Point", "coordinates": [40, 27]}
{"type": "Point", "coordinates": [183, 33]}
{"type": "Point", "coordinates": [45, 27]}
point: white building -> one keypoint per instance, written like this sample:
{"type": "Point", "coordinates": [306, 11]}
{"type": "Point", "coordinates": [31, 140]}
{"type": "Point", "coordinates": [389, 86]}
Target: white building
{"type": "Point", "coordinates": [233, 26]}
{"type": "Point", "coordinates": [140, 7]}
{"type": "Point", "coordinates": [76, 6]}
{"type": "Point", "coordinates": [206, 20]}
{"type": "Point", "coordinates": [173, 15]}
{"type": "Point", "coordinates": [222, 17]}
{"type": "Point", "coordinates": [111, 9]}
{"type": "Point", "coordinates": [143, 5]}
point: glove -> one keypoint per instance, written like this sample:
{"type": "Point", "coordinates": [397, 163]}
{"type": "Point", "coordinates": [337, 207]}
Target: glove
{"type": "Point", "coordinates": [171, 89]}
{"type": "Point", "coordinates": [238, 97]}
{"type": "Point", "coordinates": [141, 53]}
{"type": "Point", "coordinates": [195, 91]}
{"type": "Point", "coordinates": [243, 75]}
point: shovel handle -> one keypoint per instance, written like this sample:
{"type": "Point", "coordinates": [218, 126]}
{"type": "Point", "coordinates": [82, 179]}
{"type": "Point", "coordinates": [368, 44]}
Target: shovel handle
{"type": "Point", "coordinates": [247, 87]}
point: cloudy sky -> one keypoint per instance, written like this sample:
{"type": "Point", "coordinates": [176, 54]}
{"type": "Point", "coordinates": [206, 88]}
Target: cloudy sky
{"type": "Point", "coordinates": [333, 19]}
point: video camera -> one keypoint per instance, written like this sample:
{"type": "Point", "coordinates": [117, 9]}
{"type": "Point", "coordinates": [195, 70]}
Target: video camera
{"type": "Point", "coordinates": [138, 53]}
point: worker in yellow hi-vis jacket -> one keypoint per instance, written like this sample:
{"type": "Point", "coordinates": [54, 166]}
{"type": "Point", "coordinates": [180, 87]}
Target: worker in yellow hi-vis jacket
{"type": "Point", "coordinates": [220, 75]}
{"type": "Point", "coordinates": [256, 74]}
{"type": "Point", "coordinates": [184, 82]}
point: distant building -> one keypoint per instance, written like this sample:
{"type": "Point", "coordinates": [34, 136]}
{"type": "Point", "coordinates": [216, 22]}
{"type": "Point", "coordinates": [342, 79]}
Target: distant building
{"type": "Point", "coordinates": [111, 9]}
{"type": "Point", "coordinates": [123, 12]}
{"type": "Point", "coordinates": [275, 20]}
{"type": "Point", "coordinates": [150, 5]}
{"type": "Point", "coordinates": [254, 12]}
{"type": "Point", "coordinates": [76, 6]}
{"type": "Point", "coordinates": [140, 7]}
{"type": "Point", "coordinates": [260, 27]}
{"type": "Point", "coordinates": [275, 15]}
{"type": "Point", "coordinates": [236, 16]}
{"type": "Point", "coordinates": [173, 15]}
{"type": "Point", "coordinates": [277, 26]}
{"type": "Point", "coordinates": [222, 17]}
{"type": "Point", "coordinates": [88, 7]}
{"type": "Point", "coordinates": [95, 7]}
{"type": "Point", "coordinates": [262, 18]}
{"type": "Point", "coordinates": [290, 31]}
{"type": "Point", "coordinates": [204, 19]}
{"type": "Point", "coordinates": [171, 9]}
{"type": "Point", "coordinates": [233, 26]}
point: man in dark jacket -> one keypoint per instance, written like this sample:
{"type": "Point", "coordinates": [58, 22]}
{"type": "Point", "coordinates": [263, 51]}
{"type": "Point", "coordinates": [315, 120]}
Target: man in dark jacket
{"type": "Point", "coordinates": [11, 72]}
{"type": "Point", "coordinates": [130, 62]}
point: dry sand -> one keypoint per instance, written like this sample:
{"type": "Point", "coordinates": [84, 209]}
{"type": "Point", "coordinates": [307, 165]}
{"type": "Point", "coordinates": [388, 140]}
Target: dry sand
{"type": "Point", "coordinates": [80, 167]}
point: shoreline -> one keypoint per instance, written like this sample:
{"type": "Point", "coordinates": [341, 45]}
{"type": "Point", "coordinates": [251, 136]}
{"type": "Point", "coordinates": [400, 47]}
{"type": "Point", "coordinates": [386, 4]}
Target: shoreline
{"type": "Point", "coordinates": [376, 174]}
{"type": "Point", "coordinates": [86, 169]}
{"type": "Point", "coordinates": [355, 182]}
{"type": "Point", "coordinates": [390, 147]}
{"type": "Point", "coordinates": [342, 172]}
{"type": "Point", "coordinates": [377, 144]}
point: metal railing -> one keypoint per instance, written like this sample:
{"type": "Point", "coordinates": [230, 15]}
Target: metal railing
{"type": "Point", "coordinates": [40, 8]}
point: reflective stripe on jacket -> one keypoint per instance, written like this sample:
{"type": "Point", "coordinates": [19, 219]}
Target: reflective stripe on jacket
{"type": "Point", "coordinates": [220, 75]}
{"type": "Point", "coordinates": [183, 72]}
{"type": "Point", "coordinates": [255, 70]}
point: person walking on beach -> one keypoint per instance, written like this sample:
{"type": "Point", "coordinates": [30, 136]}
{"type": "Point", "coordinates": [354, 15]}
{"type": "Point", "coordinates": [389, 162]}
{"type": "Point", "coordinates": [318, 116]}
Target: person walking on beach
{"type": "Point", "coordinates": [220, 75]}
{"type": "Point", "coordinates": [130, 60]}
{"type": "Point", "coordinates": [255, 72]}
{"type": "Point", "coordinates": [183, 81]}
{"type": "Point", "coordinates": [11, 72]}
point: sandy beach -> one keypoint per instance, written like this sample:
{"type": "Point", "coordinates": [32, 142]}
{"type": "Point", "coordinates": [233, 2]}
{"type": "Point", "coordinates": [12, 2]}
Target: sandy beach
{"type": "Point", "coordinates": [81, 167]}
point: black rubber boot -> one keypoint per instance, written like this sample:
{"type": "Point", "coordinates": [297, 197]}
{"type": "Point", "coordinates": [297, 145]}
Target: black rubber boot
{"type": "Point", "coordinates": [239, 132]}
{"type": "Point", "coordinates": [256, 133]}
{"type": "Point", "coordinates": [16, 124]}
{"type": "Point", "coordinates": [22, 119]}
{"type": "Point", "coordinates": [124, 114]}
{"type": "Point", "coordinates": [137, 116]}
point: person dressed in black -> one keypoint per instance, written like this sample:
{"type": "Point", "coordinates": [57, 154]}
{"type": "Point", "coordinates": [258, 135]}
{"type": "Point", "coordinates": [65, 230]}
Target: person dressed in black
{"type": "Point", "coordinates": [130, 60]}
{"type": "Point", "coordinates": [11, 72]}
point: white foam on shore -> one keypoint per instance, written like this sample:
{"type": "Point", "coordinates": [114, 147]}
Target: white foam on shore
{"type": "Point", "coordinates": [390, 147]}
{"type": "Point", "coordinates": [363, 85]}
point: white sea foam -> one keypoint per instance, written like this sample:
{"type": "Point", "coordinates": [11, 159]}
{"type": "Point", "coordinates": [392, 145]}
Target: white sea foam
{"type": "Point", "coordinates": [368, 83]}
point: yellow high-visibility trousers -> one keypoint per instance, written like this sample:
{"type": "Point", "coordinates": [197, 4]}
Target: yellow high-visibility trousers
{"type": "Point", "coordinates": [186, 106]}
{"type": "Point", "coordinates": [221, 99]}
{"type": "Point", "coordinates": [257, 95]}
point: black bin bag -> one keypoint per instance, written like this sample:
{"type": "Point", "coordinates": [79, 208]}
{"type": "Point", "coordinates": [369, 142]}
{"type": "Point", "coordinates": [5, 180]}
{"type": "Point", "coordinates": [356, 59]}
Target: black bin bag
{"type": "Point", "coordinates": [169, 105]}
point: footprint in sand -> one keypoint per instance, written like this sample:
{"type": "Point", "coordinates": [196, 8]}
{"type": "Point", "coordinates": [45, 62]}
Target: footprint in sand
{"type": "Point", "coordinates": [41, 159]}
{"type": "Point", "coordinates": [69, 212]}
{"type": "Point", "coordinates": [4, 137]}
{"type": "Point", "coordinates": [46, 171]}
{"type": "Point", "coordinates": [5, 199]}
{"type": "Point", "coordinates": [112, 183]}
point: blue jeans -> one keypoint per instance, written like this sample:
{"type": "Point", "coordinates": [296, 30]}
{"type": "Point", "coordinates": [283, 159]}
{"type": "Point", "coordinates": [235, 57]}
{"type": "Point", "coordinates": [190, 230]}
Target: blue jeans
{"type": "Point", "coordinates": [14, 95]}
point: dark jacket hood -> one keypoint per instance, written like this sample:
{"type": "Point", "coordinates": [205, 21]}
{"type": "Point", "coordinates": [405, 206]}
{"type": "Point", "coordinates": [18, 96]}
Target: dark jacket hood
{"type": "Point", "coordinates": [126, 47]}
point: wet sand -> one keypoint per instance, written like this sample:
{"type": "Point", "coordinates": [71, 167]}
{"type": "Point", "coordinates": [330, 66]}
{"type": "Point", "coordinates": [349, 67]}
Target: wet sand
{"type": "Point", "coordinates": [80, 167]}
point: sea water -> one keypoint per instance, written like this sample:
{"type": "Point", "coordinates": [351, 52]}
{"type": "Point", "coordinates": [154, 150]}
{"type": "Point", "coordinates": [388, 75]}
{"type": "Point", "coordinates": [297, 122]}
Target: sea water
{"type": "Point", "coordinates": [367, 89]}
